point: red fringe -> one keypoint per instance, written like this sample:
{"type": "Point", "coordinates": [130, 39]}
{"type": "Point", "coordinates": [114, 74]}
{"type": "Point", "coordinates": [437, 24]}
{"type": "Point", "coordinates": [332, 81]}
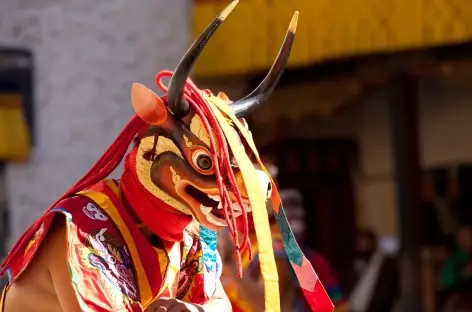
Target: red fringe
{"type": "Point", "coordinates": [102, 169]}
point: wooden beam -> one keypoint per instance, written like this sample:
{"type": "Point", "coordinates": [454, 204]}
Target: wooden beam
{"type": "Point", "coordinates": [404, 112]}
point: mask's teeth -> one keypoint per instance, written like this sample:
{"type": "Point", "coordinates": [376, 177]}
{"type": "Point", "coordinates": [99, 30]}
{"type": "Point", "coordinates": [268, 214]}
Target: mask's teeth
{"type": "Point", "coordinates": [215, 197]}
{"type": "Point", "coordinates": [213, 219]}
{"type": "Point", "coordinates": [235, 207]}
{"type": "Point", "coordinates": [218, 199]}
{"type": "Point", "coordinates": [248, 208]}
{"type": "Point", "coordinates": [204, 209]}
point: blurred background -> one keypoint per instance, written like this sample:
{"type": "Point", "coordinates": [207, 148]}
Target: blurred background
{"type": "Point", "coordinates": [370, 124]}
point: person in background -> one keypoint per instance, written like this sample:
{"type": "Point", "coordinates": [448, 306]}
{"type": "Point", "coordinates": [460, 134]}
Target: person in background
{"type": "Point", "coordinates": [293, 204]}
{"type": "Point", "coordinates": [366, 246]}
{"type": "Point", "coordinates": [456, 274]}
{"type": "Point", "coordinates": [374, 275]}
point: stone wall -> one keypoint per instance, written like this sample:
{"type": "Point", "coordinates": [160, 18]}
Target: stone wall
{"type": "Point", "coordinates": [87, 54]}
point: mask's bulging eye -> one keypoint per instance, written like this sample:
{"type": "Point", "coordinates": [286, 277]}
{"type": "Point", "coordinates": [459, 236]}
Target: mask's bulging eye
{"type": "Point", "coordinates": [202, 160]}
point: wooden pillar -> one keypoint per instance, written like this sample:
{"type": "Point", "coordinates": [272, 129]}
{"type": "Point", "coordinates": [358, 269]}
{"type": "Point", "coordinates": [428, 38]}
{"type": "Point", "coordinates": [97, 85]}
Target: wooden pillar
{"type": "Point", "coordinates": [404, 112]}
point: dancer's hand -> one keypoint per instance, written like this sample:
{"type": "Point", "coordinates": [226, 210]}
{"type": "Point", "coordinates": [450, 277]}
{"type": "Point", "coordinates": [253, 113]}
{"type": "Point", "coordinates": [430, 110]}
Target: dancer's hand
{"type": "Point", "coordinates": [219, 302]}
{"type": "Point", "coordinates": [173, 305]}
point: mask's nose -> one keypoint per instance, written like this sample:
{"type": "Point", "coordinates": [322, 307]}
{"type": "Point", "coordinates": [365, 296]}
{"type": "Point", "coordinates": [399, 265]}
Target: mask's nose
{"type": "Point", "coordinates": [265, 183]}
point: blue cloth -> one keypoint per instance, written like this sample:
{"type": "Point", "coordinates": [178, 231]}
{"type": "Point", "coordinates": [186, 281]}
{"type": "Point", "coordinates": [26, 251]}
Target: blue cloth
{"type": "Point", "coordinates": [208, 239]}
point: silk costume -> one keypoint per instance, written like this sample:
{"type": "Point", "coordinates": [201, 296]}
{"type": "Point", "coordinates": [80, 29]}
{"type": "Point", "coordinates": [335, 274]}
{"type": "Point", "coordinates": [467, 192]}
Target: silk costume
{"type": "Point", "coordinates": [193, 159]}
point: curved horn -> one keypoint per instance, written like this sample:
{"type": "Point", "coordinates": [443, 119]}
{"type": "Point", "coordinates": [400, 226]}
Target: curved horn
{"type": "Point", "coordinates": [176, 103]}
{"type": "Point", "coordinates": [247, 104]}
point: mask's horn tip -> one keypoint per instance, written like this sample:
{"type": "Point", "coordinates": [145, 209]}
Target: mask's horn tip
{"type": "Point", "coordinates": [293, 23]}
{"type": "Point", "coordinates": [223, 15]}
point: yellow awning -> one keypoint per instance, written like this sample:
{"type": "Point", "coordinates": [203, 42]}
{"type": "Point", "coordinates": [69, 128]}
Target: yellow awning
{"type": "Point", "coordinates": [250, 37]}
{"type": "Point", "coordinates": [15, 137]}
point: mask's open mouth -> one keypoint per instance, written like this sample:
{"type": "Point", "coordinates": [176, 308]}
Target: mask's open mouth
{"type": "Point", "coordinates": [201, 197]}
{"type": "Point", "coordinates": [211, 206]}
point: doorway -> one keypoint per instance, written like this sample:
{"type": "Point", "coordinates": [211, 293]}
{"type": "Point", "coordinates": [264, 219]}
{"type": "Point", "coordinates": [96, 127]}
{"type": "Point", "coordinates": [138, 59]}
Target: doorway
{"type": "Point", "coordinates": [321, 170]}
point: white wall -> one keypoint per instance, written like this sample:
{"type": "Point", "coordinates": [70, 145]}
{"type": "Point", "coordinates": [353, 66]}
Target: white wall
{"type": "Point", "coordinates": [87, 53]}
{"type": "Point", "coordinates": [446, 121]}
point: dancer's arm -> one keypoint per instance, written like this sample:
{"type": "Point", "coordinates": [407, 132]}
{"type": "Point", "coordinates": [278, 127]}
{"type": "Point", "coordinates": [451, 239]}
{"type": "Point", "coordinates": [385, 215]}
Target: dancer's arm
{"type": "Point", "coordinates": [54, 249]}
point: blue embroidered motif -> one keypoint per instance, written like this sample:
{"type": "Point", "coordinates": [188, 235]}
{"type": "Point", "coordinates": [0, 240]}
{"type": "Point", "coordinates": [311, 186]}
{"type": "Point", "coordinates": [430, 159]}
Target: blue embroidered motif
{"type": "Point", "coordinates": [208, 239]}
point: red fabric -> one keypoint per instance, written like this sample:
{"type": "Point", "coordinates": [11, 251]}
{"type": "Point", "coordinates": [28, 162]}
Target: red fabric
{"type": "Point", "coordinates": [151, 262]}
{"type": "Point", "coordinates": [91, 273]}
{"type": "Point", "coordinates": [160, 218]}
{"type": "Point", "coordinates": [323, 269]}
{"type": "Point", "coordinates": [142, 244]}
{"type": "Point", "coordinates": [103, 261]}
{"type": "Point", "coordinates": [326, 276]}
{"type": "Point", "coordinates": [96, 279]}
{"type": "Point", "coordinates": [318, 298]}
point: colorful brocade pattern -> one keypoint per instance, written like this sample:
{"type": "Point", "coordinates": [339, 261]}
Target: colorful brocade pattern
{"type": "Point", "coordinates": [113, 266]}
